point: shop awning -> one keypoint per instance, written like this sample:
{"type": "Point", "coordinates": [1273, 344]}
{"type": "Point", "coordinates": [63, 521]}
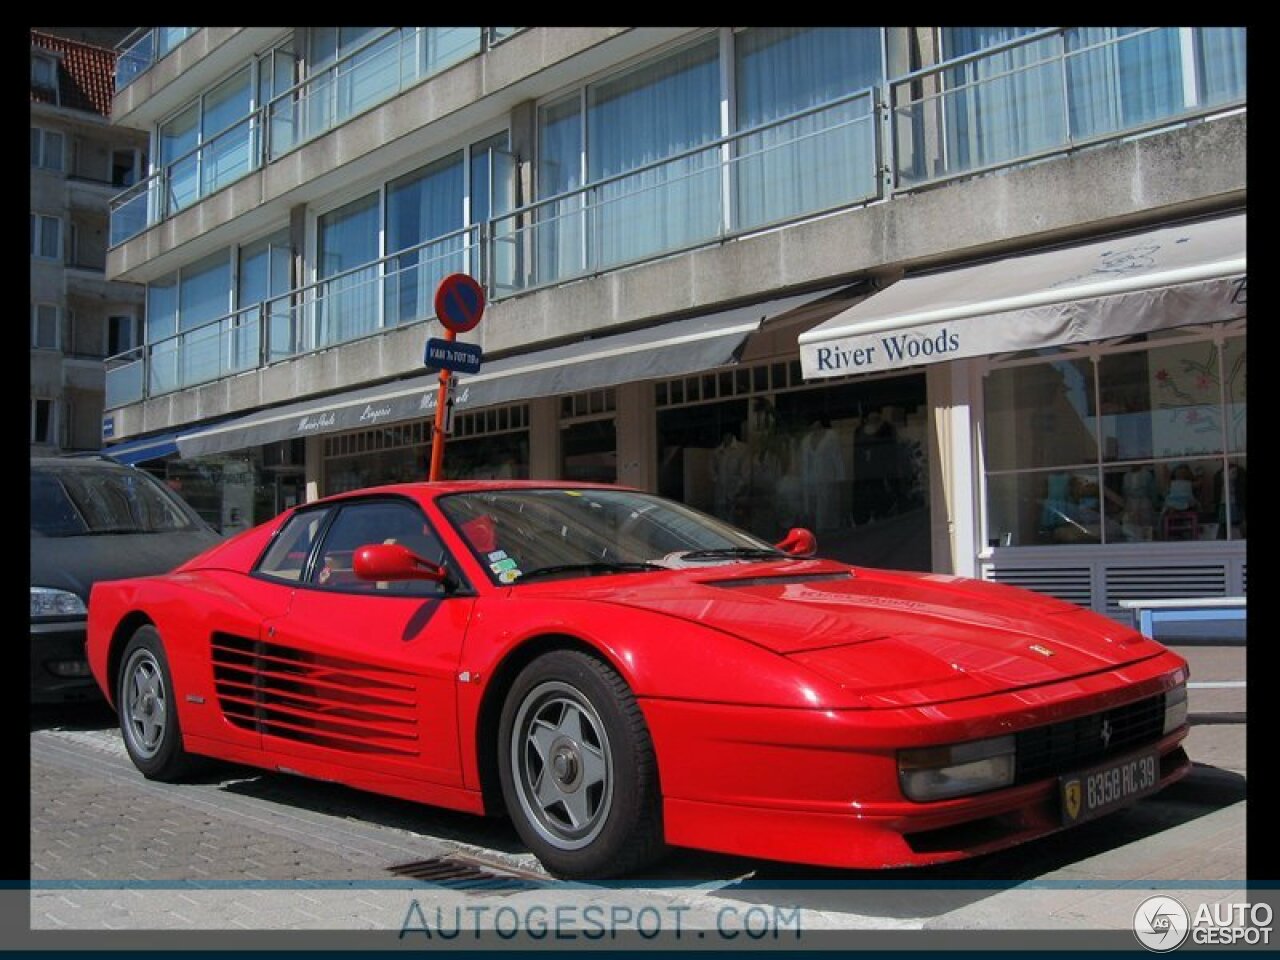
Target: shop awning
{"type": "Point", "coordinates": [664, 350]}
{"type": "Point", "coordinates": [145, 448]}
{"type": "Point", "coordinates": [1170, 277]}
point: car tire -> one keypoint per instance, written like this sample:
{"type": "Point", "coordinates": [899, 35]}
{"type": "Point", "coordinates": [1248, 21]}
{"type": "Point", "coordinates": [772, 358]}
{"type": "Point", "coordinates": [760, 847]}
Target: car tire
{"type": "Point", "coordinates": [148, 709]}
{"type": "Point", "coordinates": [579, 775]}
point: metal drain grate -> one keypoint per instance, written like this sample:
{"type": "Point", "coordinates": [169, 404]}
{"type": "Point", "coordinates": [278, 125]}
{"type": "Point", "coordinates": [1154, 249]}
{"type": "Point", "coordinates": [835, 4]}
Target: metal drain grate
{"type": "Point", "coordinates": [455, 873]}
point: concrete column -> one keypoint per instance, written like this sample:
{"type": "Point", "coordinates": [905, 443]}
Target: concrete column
{"type": "Point", "coordinates": [637, 436]}
{"type": "Point", "coordinates": [953, 503]}
{"type": "Point", "coordinates": [313, 462]}
{"type": "Point", "coordinates": [544, 438]}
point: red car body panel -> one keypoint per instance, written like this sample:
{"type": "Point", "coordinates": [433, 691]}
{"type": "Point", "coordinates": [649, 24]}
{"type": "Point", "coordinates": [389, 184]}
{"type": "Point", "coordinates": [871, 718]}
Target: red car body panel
{"type": "Point", "coordinates": [777, 694]}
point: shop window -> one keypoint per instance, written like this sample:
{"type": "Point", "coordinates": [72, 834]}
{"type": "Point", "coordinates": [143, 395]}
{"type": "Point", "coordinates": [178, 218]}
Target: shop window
{"type": "Point", "coordinates": [846, 461]}
{"type": "Point", "coordinates": [1137, 453]}
{"type": "Point", "coordinates": [589, 451]}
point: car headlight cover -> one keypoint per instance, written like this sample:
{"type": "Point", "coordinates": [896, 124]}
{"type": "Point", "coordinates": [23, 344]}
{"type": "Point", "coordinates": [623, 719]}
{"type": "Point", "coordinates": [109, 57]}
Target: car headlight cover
{"type": "Point", "coordinates": [47, 602]}
{"type": "Point", "coordinates": [937, 773]}
{"type": "Point", "coordinates": [1175, 708]}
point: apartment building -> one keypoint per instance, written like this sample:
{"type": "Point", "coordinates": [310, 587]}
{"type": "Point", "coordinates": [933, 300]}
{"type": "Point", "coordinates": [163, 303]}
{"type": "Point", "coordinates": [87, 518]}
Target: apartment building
{"type": "Point", "coordinates": [966, 300]}
{"type": "Point", "coordinates": [79, 161]}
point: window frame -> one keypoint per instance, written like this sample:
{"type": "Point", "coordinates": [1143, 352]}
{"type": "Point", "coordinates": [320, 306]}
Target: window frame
{"type": "Point", "coordinates": [43, 135]}
{"type": "Point", "coordinates": [39, 222]}
{"type": "Point", "coordinates": [51, 427]}
{"type": "Point", "coordinates": [35, 326]}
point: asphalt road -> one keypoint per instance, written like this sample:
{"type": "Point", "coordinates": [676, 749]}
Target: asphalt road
{"type": "Point", "coordinates": [248, 850]}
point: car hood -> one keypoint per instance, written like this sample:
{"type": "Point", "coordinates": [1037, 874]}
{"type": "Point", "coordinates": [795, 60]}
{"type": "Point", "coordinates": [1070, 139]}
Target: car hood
{"type": "Point", "coordinates": [892, 638]}
{"type": "Point", "coordinates": [77, 563]}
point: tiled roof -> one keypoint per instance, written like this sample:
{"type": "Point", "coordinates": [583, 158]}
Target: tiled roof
{"type": "Point", "coordinates": [86, 74]}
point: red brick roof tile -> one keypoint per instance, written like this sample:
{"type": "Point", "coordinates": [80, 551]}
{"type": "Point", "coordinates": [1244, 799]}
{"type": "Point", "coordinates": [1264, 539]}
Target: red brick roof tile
{"type": "Point", "coordinates": [86, 74]}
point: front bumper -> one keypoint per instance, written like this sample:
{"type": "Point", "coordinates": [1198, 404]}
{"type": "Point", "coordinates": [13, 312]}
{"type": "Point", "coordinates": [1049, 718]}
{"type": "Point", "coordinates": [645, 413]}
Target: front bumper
{"type": "Point", "coordinates": [58, 647]}
{"type": "Point", "coordinates": [821, 787]}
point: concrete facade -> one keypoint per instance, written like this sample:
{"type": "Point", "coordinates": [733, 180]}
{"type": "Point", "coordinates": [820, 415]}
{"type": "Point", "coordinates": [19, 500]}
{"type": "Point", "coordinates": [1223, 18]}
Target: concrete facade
{"type": "Point", "coordinates": [76, 191]}
{"type": "Point", "coordinates": [1121, 185]}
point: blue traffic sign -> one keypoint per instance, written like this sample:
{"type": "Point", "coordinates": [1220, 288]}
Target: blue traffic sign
{"type": "Point", "coordinates": [459, 302]}
{"type": "Point", "coordinates": [452, 355]}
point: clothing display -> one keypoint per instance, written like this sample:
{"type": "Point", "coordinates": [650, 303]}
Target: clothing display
{"type": "Point", "coordinates": [824, 474]}
{"type": "Point", "coordinates": [876, 469]}
{"type": "Point", "coordinates": [1140, 492]}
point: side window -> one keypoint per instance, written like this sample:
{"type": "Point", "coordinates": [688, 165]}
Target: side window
{"type": "Point", "coordinates": [381, 521]}
{"type": "Point", "coordinates": [288, 552]}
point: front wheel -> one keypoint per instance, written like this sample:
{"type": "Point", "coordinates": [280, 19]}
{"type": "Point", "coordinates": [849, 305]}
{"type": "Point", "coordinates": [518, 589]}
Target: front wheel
{"type": "Point", "coordinates": [148, 713]}
{"type": "Point", "coordinates": [578, 770]}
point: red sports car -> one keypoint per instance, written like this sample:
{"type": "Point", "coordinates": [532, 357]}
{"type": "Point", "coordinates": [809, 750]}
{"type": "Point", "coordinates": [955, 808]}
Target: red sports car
{"type": "Point", "coordinates": [620, 672]}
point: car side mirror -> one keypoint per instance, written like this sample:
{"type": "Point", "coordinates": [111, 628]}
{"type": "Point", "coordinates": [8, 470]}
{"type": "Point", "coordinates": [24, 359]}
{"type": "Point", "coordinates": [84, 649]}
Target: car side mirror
{"type": "Point", "coordinates": [393, 561]}
{"type": "Point", "coordinates": [798, 542]}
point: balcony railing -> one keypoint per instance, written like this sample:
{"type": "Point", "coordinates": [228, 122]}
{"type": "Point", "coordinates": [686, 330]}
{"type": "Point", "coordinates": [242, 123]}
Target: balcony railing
{"type": "Point", "coordinates": [814, 160]}
{"type": "Point", "coordinates": [366, 76]}
{"type": "Point", "coordinates": [392, 292]}
{"type": "Point", "coordinates": [139, 56]}
{"type": "Point", "coordinates": [945, 121]}
{"type": "Point", "coordinates": [1049, 92]}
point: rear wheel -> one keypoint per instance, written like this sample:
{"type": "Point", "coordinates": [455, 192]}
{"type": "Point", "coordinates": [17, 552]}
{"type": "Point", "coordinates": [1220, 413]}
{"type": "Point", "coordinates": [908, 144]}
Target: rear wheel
{"type": "Point", "coordinates": [578, 770]}
{"type": "Point", "coordinates": [148, 711]}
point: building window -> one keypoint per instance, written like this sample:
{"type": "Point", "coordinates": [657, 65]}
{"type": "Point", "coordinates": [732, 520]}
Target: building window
{"type": "Point", "coordinates": [1131, 445]}
{"type": "Point", "coordinates": [44, 326]}
{"type": "Point", "coordinates": [264, 278]}
{"type": "Point", "coordinates": [637, 134]}
{"type": "Point", "coordinates": [44, 71]}
{"type": "Point", "coordinates": [760, 448]}
{"type": "Point", "coordinates": [485, 444]}
{"type": "Point", "coordinates": [42, 420]}
{"type": "Point", "coordinates": [46, 237]}
{"type": "Point", "coordinates": [46, 149]}
{"type": "Point", "coordinates": [210, 142]}
{"type": "Point", "coordinates": [122, 334]}
{"type": "Point", "coordinates": [127, 167]}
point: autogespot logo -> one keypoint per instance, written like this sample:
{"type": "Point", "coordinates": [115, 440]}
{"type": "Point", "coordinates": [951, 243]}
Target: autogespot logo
{"type": "Point", "coordinates": [1161, 924]}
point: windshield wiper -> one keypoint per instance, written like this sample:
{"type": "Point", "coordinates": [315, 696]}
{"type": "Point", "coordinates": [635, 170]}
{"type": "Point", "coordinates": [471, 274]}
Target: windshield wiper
{"type": "Point", "coordinates": [734, 553]}
{"type": "Point", "coordinates": [594, 566]}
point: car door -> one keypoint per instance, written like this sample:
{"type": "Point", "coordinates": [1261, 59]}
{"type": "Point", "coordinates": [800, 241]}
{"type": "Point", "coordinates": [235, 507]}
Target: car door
{"type": "Point", "coordinates": [362, 674]}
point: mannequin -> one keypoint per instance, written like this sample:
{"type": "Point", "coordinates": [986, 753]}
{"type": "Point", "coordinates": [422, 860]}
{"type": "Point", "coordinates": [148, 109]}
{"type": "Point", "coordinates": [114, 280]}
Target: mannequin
{"type": "Point", "coordinates": [728, 474]}
{"type": "Point", "coordinates": [824, 474]}
{"type": "Point", "coordinates": [1139, 488]}
{"type": "Point", "coordinates": [875, 468]}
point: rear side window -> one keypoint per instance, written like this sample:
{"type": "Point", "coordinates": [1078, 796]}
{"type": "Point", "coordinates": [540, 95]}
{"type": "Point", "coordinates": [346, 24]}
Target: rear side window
{"type": "Point", "coordinates": [288, 553]}
{"type": "Point", "coordinates": [79, 500]}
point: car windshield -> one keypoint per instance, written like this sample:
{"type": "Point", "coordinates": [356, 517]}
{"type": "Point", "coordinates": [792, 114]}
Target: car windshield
{"type": "Point", "coordinates": [528, 534]}
{"type": "Point", "coordinates": [81, 501]}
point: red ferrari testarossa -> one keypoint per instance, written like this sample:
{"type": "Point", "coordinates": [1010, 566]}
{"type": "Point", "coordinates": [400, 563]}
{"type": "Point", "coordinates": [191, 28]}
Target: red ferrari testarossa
{"type": "Point", "coordinates": [619, 673]}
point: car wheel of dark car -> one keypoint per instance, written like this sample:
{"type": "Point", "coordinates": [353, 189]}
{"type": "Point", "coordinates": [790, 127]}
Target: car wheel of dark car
{"type": "Point", "coordinates": [578, 769]}
{"type": "Point", "coordinates": [148, 711]}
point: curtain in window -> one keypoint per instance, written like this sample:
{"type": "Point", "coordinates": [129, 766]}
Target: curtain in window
{"type": "Point", "coordinates": [642, 117]}
{"type": "Point", "coordinates": [1003, 106]}
{"type": "Point", "coordinates": [422, 207]}
{"type": "Point", "coordinates": [347, 306]}
{"type": "Point", "coordinates": [162, 323]}
{"type": "Point", "coordinates": [1220, 61]}
{"type": "Point", "coordinates": [1119, 78]}
{"type": "Point", "coordinates": [264, 274]}
{"type": "Point", "coordinates": [493, 194]}
{"type": "Point", "coordinates": [558, 230]}
{"type": "Point", "coordinates": [204, 295]}
{"type": "Point", "coordinates": [821, 160]}
{"type": "Point", "coordinates": [177, 137]}
{"type": "Point", "coordinates": [226, 154]}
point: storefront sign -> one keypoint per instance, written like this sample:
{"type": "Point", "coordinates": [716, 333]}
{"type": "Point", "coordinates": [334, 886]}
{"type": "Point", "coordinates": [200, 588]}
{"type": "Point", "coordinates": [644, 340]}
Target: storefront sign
{"type": "Point", "coordinates": [1029, 327]}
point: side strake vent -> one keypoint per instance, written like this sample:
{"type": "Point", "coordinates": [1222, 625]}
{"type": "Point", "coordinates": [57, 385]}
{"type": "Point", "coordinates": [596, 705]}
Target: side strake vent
{"type": "Point", "coordinates": [278, 690]}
